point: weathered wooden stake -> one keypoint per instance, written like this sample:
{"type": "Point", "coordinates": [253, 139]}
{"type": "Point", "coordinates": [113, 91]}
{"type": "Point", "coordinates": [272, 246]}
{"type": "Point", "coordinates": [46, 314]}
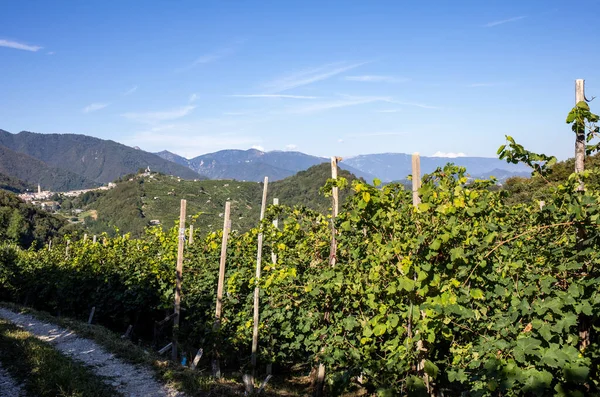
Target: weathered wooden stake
{"type": "Point", "coordinates": [127, 333]}
{"type": "Point", "coordinates": [416, 178]}
{"type": "Point", "coordinates": [85, 237]}
{"type": "Point", "coordinates": [179, 271]}
{"type": "Point", "coordinates": [276, 224]}
{"type": "Point", "coordinates": [165, 349]}
{"type": "Point", "coordinates": [91, 317]}
{"type": "Point", "coordinates": [580, 136]}
{"type": "Point", "coordinates": [416, 185]}
{"type": "Point", "coordinates": [67, 248]}
{"type": "Point", "coordinates": [274, 261]}
{"type": "Point", "coordinates": [191, 238]}
{"type": "Point", "coordinates": [50, 245]}
{"type": "Point", "coordinates": [258, 270]}
{"type": "Point", "coordinates": [320, 383]}
{"type": "Point", "coordinates": [216, 365]}
{"type": "Point", "coordinates": [197, 358]}
{"type": "Point", "coordinates": [94, 239]}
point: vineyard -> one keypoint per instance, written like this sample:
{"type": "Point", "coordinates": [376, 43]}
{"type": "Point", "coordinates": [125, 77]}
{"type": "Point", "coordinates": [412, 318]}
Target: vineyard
{"type": "Point", "coordinates": [459, 293]}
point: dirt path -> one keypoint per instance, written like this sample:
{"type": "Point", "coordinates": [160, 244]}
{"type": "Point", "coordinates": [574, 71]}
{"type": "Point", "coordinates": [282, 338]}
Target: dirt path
{"type": "Point", "coordinates": [132, 381]}
{"type": "Point", "coordinates": [8, 386]}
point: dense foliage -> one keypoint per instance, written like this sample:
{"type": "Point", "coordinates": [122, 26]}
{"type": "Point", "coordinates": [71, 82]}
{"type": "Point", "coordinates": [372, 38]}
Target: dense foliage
{"type": "Point", "coordinates": [27, 225]}
{"type": "Point", "coordinates": [463, 293]}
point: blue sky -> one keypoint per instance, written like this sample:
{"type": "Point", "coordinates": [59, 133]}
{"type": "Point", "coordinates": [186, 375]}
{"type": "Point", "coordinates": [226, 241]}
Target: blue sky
{"type": "Point", "coordinates": [325, 78]}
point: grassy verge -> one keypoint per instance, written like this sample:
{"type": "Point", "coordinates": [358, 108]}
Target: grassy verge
{"type": "Point", "coordinates": [44, 371]}
{"type": "Point", "coordinates": [192, 382]}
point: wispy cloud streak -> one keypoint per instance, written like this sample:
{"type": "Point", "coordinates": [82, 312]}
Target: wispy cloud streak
{"type": "Point", "coordinates": [94, 107]}
{"type": "Point", "coordinates": [373, 134]}
{"type": "Point", "coordinates": [130, 91]}
{"type": "Point", "coordinates": [376, 79]}
{"type": "Point", "coordinates": [310, 76]}
{"type": "Point", "coordinates": [210, 57]}
{"type": "Point", "coordinates": [502, 22]}
{"type": "Point", "coordinates": [155, 117]}
{"type": "Point", "coordinates": [19, 46]}
{"type": "Point", "coordinates": [273, 96]}
{"type": "Point", "coordinates": [336, 104]}
{"type": "Point", "coordinates": [416, 104]}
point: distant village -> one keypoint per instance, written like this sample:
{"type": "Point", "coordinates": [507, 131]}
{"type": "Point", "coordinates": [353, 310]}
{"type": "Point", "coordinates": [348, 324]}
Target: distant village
{"type": "Point", "coordinates": [43, 198]}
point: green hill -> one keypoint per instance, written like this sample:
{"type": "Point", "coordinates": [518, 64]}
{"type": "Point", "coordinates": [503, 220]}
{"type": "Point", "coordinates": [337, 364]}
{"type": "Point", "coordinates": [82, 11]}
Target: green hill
{"type": "Point", "coordinates": [34, 171]}
{"type": "Point", "coordinates": [14, 185]}
{"type": "Point", "coordinates": [135, 202]}
{"type": "Point", "coordinates": [26, 224]}
{"type": "Point", "coordinates": [521, 190]}
{"type": "Point", "coordinates": [95, 159]}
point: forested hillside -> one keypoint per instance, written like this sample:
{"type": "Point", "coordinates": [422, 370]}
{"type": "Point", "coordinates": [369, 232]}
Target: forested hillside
{"type": "Point", "coordinates": [96, 159]}
{"type": "Point", "coordinates": [134, 203]}
{"type": "Point", "coordinates": [34, 171]}
{"type": "Point", "coordinates": [14, 185]}
{"type": "Point", "coordinates": [537, 188]}
{"type": "Point", "coordinates": [25, 224]}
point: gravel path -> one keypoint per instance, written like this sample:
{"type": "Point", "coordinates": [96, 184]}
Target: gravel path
{"type": "Point", "coordinates": [131, 380]}
{"type": "Point", "coordinates": [8, 386]}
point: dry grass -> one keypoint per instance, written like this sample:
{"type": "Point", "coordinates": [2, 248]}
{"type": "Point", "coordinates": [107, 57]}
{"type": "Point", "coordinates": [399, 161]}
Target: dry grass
{"type": "Point", "coordinates": [43, 371]}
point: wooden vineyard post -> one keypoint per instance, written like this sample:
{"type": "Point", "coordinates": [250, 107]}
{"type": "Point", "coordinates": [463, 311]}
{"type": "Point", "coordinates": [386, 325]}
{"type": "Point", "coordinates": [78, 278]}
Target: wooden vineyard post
{"type": "Point", "coordinates": [276, 224]}
{"type": "Point", "coordinates": [320, 383]}
{"type": "Point", "coordinates": [191, 237]}
{"type": "Point", "coordinates": [94, 239]}
{"type": "Point", "coordinates": [274, 261]}
{"type": "Point", "coordinates": [580, 135]}
{"type": "Point", "coordinates": [84, 237]}
{"type": "Point", "coordinates": [219, 305]}
{"type": "Point", "coordinates": [416, 185]}
{"type": "Point", "coordinates": [91, 317]}
{"type": "Point", "coordinates": [179, 271]}
{"type": "Point", "coordinates": [416, 178]}
{"type": "Point", "coordinates": [256, 288]}
{"type": "Point", "coordinates": [580, 143]}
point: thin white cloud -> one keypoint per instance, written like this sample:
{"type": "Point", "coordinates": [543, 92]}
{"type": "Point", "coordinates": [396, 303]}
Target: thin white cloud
{"type": "Point", "coordinates": [451, 155]}
{"type": "Point", "coordinates": [335, 104]}
{"type": "Point", "coordinates": [240, 113]}
{"type": "Point", "coordinates": [390, 111]}
{"type": "Point", "coordinates": [210, 57]}
{"type": "Point", "coordinates": [475, 85]}
{"type": "Point", "coordinates": [19, 46]}
{"type": "Point", "coordinates": [273, 96]}
{"type": "Point", "coordinates": [155, 117]}
{"type": "Point", "coordinates": [310, 76]}
{"type": "Point", "coordinates": [50, 53]}
{"type": "Point", "coordinates": [416, 104]}
{"type": "Point", "coordinates": [291, 147]}
{"type": "Point", "coordinates": [374, 134]}
{"type": "Point", "coordinates": [340, 140]}
{"type": "Point", "coordinates": [94, 107]}
{"type": "Point", "coordinates": [193, 98]}
{"type": "Point", "coordinates": [376, 79]}
{"type": "Point", "coordinates": [131, 90]}
{"type": "Point", "coordinates": [503, 21]}
{"type": "Point", "coordinates": [258, 147]}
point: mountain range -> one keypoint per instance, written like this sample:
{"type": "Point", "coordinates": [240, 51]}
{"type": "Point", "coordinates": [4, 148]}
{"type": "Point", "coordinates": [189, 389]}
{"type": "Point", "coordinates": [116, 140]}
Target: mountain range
{"type": "Point", "coordinates": [69, 161]}
{"type": "Point", "coordinates": [62, 162]}
{"type": "Point", "coordinates": [254, 165]}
